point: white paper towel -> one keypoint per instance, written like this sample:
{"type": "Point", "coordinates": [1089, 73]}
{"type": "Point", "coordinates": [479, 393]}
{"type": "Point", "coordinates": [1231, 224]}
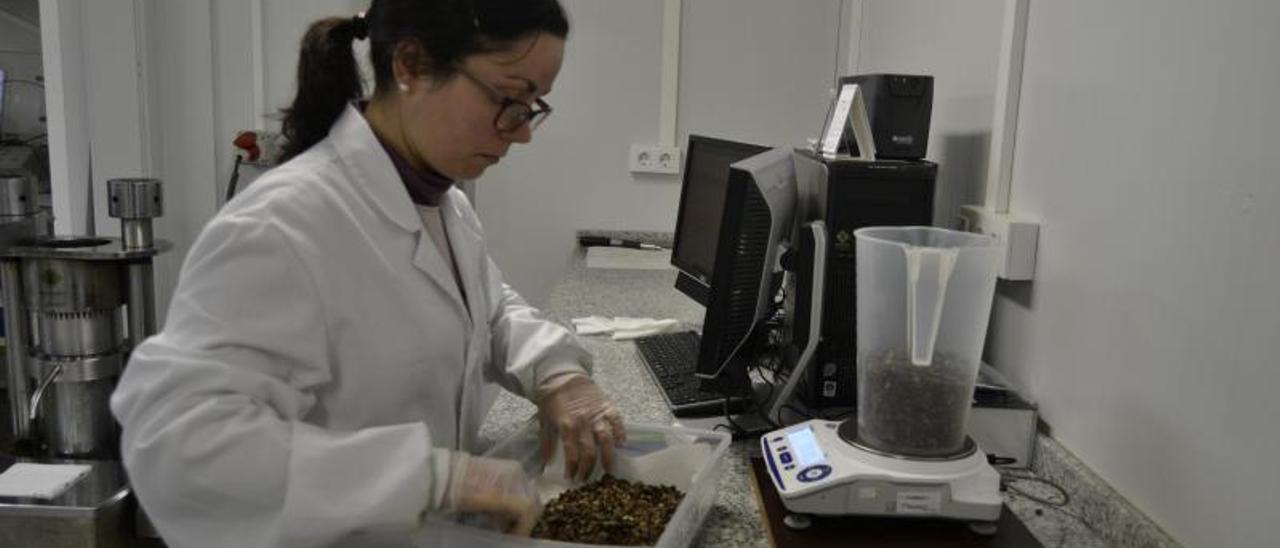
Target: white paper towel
{"type": "Point", "coordinates": [622, 328]}
{"type": "Point", "coordinates": [44, 481]}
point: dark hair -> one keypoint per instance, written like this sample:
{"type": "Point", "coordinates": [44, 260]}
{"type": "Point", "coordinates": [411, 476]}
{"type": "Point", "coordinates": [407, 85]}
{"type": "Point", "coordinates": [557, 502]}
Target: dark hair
{"type": "Point", "coordinates": [448, 31]}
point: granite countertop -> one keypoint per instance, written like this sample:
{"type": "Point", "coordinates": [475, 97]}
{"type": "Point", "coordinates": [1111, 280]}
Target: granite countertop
{"type": "Point", "coordinates": [735, 520]}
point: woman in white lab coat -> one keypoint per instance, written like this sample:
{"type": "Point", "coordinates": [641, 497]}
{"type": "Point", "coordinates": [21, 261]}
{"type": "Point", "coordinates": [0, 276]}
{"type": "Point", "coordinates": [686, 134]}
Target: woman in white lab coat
{"type": "Point", "coordinates": [338, 329]}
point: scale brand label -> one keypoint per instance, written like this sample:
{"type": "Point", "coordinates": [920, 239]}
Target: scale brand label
{"type": "Point", "coordinates": [917, 502]}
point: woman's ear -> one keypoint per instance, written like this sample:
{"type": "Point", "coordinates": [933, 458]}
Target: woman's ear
{"type": "Point", "coordinates": [409, 62]}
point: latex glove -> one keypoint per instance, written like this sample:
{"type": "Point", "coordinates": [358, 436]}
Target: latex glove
{"type": "Point", "coordinates": [585, 421]}
{"type": "Point", "coordinates": [497, 488]}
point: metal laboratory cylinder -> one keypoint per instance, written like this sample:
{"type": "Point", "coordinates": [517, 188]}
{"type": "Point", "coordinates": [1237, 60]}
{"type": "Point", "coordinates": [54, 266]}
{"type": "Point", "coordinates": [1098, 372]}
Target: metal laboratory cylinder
{"type": "Point", "coordinates": [136, 233]}
{"type": "Point", "coordinates": [73, 404]}
{"type": "Point", "coordinates": [85, 333]}
{"type": "Point", "coordinates": [17, 196]}
{"type": "Point", "coordinates": [76, 307]}
{"type": "Point", "coordinates": [135, 202]}
{"type": "Point", "coordinates": [15, 320]}
{"type": "Point", "coordinates": [142, 302]}
{"type": "Point", "coordinates": [17, 209]}
{"type": "Point", "coordinates": [68, 285]}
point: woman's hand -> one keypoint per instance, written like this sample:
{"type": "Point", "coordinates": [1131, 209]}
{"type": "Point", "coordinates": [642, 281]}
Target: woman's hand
{"type": "Point", "coordinates": [586, 422]}
{"type": "Point", "coordinates": [498, 488]}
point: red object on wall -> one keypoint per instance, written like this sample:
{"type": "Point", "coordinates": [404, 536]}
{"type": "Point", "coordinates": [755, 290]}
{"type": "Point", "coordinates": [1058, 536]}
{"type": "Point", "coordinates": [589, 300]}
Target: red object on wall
{"type": "Point", "coordinates": [247, 141]}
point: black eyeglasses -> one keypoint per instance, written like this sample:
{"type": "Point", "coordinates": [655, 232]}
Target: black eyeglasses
{"type": "Point", "coordinates": [512, 113]}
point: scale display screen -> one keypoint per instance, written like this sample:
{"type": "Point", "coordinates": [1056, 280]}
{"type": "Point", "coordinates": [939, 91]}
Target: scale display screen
{"type": "Point", "coordinates": [805, 446]}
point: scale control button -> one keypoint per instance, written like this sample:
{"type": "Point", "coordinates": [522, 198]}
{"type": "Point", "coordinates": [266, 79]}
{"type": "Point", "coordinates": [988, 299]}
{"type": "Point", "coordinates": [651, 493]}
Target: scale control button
{"type": "Point", "coordinates": [786, 457]}
{"type": "Point", "coordinates": [777, 439]}
{"type": "Point", "coordinates": [814, 473]}
{"type": "Point", "coordinates": [791, 467]}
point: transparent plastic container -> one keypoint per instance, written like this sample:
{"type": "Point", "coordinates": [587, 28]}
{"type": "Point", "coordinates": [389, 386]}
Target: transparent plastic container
{"type": "Point", "coordinates": [924, 299]}
{"type": "Point", "coordinates": [697, 480]}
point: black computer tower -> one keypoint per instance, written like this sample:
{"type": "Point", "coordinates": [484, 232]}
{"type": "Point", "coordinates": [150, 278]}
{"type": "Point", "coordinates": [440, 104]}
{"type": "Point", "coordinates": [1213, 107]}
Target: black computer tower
{"type": "Point", "coordinates": [847, 195]}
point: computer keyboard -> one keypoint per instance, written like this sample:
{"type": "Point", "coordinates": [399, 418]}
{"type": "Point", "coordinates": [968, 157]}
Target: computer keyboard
{"type": "Point", "coordinates": [672, 359]}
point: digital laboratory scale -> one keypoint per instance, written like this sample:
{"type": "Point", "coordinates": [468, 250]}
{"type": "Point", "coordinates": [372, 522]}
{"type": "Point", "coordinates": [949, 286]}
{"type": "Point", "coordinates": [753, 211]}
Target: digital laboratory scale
{"type": "Point", "coordinates": [818, 471]}
{"type": "Point", "coordinates": [924, 298]}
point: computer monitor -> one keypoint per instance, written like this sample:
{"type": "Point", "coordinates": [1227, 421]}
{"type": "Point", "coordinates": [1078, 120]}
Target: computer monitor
{"type": "Point", "coordinates": [736, 211]}
{"type": "Point", "coordinates": [702, 199]}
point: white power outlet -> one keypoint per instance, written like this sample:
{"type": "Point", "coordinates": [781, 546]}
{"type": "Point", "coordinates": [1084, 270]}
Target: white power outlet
{"type": "Point", "coordinates": [1019, 238]}
{"type": "Point", "coordinates": [655, 159]}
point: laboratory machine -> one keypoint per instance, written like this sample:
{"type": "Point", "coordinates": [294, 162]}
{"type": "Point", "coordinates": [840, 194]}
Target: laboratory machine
{"type": "Point", "coordinates": [74, 307]}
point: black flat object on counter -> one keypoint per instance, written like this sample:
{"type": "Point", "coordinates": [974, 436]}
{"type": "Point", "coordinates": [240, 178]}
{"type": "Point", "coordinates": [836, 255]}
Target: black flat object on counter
{"type": "Point", "coordinates": [879, 531]}
{"type": "Point", "coordinates": [672, 359]}
{"type": "Point", "coordinates": [601, 241]}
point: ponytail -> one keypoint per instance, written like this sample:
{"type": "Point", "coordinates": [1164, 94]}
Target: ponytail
{"type": "Point", "coordinates": [328, 78]}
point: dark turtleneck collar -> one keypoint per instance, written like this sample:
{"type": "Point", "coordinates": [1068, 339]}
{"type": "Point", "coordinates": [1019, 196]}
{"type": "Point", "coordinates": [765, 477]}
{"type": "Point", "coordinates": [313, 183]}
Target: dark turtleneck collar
{"type": "Point", "coordinates": [425, 186]}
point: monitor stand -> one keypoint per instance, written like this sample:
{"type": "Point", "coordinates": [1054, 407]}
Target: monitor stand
{"type": "Point", "coordinates": [775, 401]}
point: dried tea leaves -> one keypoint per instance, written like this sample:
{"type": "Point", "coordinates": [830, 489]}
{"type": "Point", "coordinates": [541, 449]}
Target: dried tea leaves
{"type": "Point", "coordinates": [609, 511]}
{"type": "Point", "coordinates": [913, 410]}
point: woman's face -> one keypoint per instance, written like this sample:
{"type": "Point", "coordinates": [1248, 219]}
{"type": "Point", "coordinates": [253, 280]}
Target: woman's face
{"type": "Point", "coordinates": [449, 124]}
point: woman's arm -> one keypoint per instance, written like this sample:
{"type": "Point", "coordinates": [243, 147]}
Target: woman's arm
{"type": "Point", "coordinates": [527, 350]}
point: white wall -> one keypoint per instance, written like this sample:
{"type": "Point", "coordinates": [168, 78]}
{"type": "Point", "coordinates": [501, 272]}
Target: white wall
{"type": "Point", "coordinates": [115, 98]}
{"type": "Point", "coordinates": [285, 23]}
{"type": "Point", "coordinates": [236, 54]}
{"type": "Point", "coordinates": [1144, 146]}
{"type": "Point", "coordinates": [201, 60]}
{"type": "Point", "coordinates": [755, 71]}
{"type": "Point", "coordinates": [179, 59]}
{"type": "Point", "coordinates": [752, 70]}
{"type": "Point", "coordinates": [89, 53]}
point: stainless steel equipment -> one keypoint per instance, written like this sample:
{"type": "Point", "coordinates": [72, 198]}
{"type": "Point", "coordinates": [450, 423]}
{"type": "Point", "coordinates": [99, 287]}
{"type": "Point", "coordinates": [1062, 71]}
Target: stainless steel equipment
{"type": "Point", "coordinates": [96, 512]}
{"type": "Point", "coordinates": [17, 224]}
{"type": "Point", "coordinates": [74, 307]}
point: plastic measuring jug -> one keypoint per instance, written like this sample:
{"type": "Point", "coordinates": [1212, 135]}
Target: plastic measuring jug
{"type": "Point", "coordinates": [923, 301]}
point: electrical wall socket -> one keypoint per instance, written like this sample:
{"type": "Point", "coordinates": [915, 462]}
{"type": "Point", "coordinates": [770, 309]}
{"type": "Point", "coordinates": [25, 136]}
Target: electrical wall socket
{"type": "Point", "coordinates": [1018, 236]}
{"type": "Point", "coordinates": [655, 159]}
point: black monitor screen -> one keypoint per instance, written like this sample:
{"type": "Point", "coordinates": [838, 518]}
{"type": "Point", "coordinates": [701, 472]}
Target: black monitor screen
{"type": "Point", "coordinates": [702, 196]}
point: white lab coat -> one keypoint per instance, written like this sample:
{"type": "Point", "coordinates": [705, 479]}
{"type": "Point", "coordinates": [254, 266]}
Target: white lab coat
{"type": "Point", "coordinates": [316, 349]}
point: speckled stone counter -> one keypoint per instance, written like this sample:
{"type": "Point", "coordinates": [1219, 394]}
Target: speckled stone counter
{"type": "Point", "coordinates": [736, 520]}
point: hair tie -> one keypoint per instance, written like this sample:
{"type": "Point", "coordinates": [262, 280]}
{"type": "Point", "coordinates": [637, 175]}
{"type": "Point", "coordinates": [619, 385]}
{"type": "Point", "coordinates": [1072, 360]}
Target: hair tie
{"type": "Point", "coordinates": [359, 27]}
